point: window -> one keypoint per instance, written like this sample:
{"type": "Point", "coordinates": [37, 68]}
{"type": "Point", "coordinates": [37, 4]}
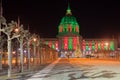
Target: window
{"type": "Point", "coordinates": [69, 28]}
{"type": "Point", "coordinates": [61, 29]}
{"type": "Point", "coordinates": [77, 29]}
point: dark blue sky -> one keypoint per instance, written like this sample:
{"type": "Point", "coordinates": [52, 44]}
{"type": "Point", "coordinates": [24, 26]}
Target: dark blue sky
{"type": "Point", "coordinates": [97, 18]}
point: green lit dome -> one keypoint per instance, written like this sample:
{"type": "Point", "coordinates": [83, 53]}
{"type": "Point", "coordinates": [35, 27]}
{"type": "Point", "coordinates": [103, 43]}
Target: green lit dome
{"type": "Point", "coordinates": [69, 19]}
{"type": "Point", "coordinates": [68, 24]}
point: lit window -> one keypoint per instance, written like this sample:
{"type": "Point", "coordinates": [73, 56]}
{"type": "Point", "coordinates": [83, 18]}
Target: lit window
{"type": "Point", "coordinates": [77, 29]}
{"type": "Point", "coordinates": [61, 29]}
{"type": "Point", "coordinates": [69, 28]}
{"type": "Point", "coordinates": [65, 43]}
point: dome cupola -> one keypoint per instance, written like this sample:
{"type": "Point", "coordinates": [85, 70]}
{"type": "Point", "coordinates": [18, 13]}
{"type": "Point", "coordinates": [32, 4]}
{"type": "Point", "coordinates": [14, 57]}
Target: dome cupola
{"type": "Point", "coordinates": [68, 24]}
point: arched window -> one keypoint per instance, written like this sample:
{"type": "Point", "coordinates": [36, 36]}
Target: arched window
{"type": "Point", "coordinates": [61, 29]}
{"type": "Point", "coordinates": [69, 28]}
{"type": "Point", "coordinates": [77, 30]}
{"type": "Point", "coordinates": [73, 29]}
{"type": "Point", "coordinates": [65, 30]}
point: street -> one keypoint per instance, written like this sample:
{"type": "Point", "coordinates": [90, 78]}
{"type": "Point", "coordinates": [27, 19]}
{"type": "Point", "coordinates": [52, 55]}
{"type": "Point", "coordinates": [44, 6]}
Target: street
{"type": "Point", "coordinates": [79, 69]}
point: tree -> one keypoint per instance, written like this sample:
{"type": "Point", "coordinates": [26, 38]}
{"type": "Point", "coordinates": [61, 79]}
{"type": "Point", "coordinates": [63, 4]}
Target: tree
{"type": "Point", "coordinates": [30, 38]}
{"type": "Point", "coordinates": [78, 52]}
{"type": "Point", "coordinates": [10, 31]}
{"type": "Point", "coordinates": [23, 34]}
{"type": "Point", "coordinates": [2, 42]}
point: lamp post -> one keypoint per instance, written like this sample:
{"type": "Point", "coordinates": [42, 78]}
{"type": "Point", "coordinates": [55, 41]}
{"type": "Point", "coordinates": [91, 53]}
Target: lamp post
{"type": "Point", "coordinates": [34, 54]}
{"type": "Point", "coordinates": [29, 40]}
{"type": "Point", "coordinates": [36, 48]}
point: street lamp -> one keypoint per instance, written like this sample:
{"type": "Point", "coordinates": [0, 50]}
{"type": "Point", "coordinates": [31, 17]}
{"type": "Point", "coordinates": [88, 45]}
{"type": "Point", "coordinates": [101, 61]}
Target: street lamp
{"type": "Point", "coordinates": [29, 40]}
{"type": "Point", "coordinates": [16, 30]}
{"type": "Point", "coordinates": [34, 39]}
{"type": "Point", "coordinates": [34, 45]}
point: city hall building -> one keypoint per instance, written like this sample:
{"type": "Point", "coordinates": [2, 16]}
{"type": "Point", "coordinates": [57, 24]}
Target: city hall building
{"type": "Point", "coordinates": [68, 38]}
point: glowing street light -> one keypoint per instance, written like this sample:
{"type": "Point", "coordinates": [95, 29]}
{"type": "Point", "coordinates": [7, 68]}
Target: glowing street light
{"type": "Point", "coordinates": [34, 39]}
{"type": "Point", "coordinates": [34, 58]}
{"type": "Point", "coordinates": [106, 44]}
{"type": "Point", "coordinates": [13, 52]}
{"type": "Point", "coordinates": [29, 40]}
{"type": "Point", "coordinates": [16, 29]}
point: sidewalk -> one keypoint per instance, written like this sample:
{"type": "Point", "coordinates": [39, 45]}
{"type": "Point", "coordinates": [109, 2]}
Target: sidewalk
{"type": "Point", "coordinates": [18, 76]}
{"type": "Point", "coordinates": [55, 71]}
{"type": "Point", "coordinates": [80, 69]}
{"type": "Point", "coordinates": [39, 75]}
{"type": "Point", "coordinates": [74, 69]}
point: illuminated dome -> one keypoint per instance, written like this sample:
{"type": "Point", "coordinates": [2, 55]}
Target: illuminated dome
{"type": "Point", "coordinates": [68, 24]}
{"type": "Point", "coordinates": [69, 19]}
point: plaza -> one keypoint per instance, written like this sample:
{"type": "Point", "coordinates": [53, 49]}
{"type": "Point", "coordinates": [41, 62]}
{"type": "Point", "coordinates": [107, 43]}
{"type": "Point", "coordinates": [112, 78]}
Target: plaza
{"type": "Point", "coordinates": [22, 53]}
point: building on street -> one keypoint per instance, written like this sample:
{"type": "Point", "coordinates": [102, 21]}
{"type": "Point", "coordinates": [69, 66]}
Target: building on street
{"type": "Point", "coordinates": [66, 39]}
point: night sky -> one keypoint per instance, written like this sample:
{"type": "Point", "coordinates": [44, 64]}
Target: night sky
{"type": "Point", "coordinates": [97, 18]}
